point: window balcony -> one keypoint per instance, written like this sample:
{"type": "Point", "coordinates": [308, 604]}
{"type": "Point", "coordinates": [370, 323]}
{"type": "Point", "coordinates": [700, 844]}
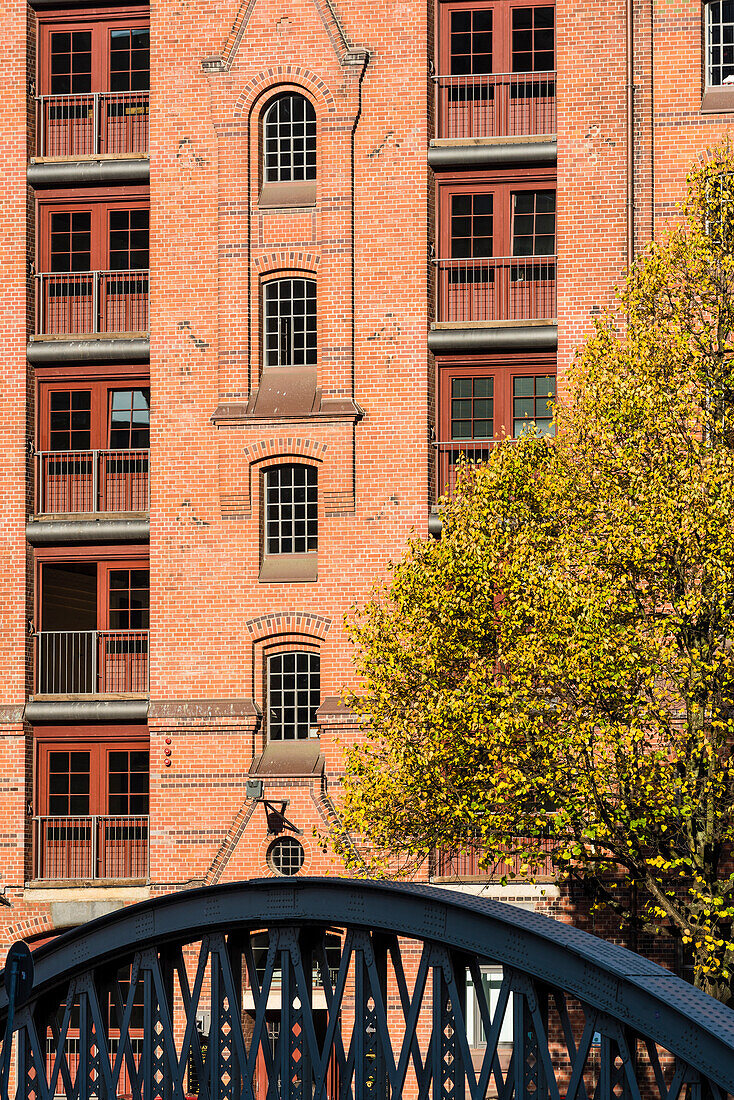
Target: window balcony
{"type": "Point", "coordinates": [477, 290]}
{"type": "Point", "coordinates": [91, 481]}
{"type": "Point", "coordinates": [93, 847]}
{"type": "Point", "coordinates": [91, 662]}
{"type": "Point", "coordinates": [93, 124]}
{"type": "Point", "coordinates": [87, 303]}
{"type": "Point", "coordinates": [496, 105]}
{"type": "Point", "coordinates": [466, 866]}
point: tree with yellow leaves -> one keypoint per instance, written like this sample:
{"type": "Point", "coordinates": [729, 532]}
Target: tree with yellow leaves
{"type": "Point", "coordinates": [557, 671]}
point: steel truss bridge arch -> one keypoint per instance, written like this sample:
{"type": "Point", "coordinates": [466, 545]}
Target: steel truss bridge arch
{"type": "Point", "coordinates": [367, 983]}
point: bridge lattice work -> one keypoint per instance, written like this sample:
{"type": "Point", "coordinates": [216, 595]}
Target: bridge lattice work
{"type": "Point", "coordinates": [330, 989]}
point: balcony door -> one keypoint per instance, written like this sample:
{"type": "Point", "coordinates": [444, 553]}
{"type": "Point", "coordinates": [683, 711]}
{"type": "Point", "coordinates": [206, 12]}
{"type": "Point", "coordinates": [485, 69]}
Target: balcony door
{"type": "Point", "coordinates": [78, 58]}
{"type": "Point", "coordinates": [93, 447]}
{"type": "Point", "coordinates": [498, 252]}
{"type": "Point", "coordinates": [497, 63]}
{"type": "Point", "coordinates": [94, 77]}
{"type": "Point", "coordinates": [481, 405]}
{"type": "Point", "coordinates": [93, 261]}
{"type": "Point", "coordinates": [93, 808]}
{"type": "Point", "coordinates": [93, 635]}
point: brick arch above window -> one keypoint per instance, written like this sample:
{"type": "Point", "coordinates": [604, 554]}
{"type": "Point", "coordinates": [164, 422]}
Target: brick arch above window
{"type": "Point", "coordinates": [287, 629]}
{"type": "Point", "coordinates": [236, 473]}
{"type": "Point", "coordinates": [282, 264]}
{"type": "Point", "coordinates": [270, 82]}
{"type": "Point", "coordinates": [285, 450]}
{"type": "Point", "coordinates": [33, 927]}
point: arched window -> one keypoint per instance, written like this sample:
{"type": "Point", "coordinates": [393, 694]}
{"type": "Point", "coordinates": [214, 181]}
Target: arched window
{"type": "Point", "coordinates": [294, 694]}
{"type": "Point", "coordinates": [289, 140]}
{"type": "Point", "coordinates": [719, 42]}
{"type": "Point", "coordinates": [291, 509]}
{"type": "Point", "coordinates": [290, 322]}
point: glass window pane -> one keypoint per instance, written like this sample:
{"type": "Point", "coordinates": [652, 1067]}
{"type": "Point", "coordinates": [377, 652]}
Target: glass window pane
{"type": "Point", "coordinates": [290, 125]}
{"type": "Point", "coordinates": [291, 509]}
{"type": "Point", "coordinates": [291, 715]}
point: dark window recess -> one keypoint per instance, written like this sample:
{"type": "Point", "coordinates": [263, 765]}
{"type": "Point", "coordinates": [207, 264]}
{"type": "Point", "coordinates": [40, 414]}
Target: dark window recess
{"type": "Point", "coordinates": [470, 42]}
{"type": "Point", "coordinates": [533, 40]}
{"type": "Point", "coordinates": [129, 596]}
{"type": "Point", "coordinates": [291, 510]}
{"type": "Point", "coordinates": [127, 778]}
{"type": "Point", "coordinates": [128, 240]}
{"type": "Point", "coordinates": [532, 401]}
{"type": "Point", "coordinates": [472, 408]}
{"type": "Point", "coordinates": [70, 420]}
{"type": "Point", "coordinates": [129, 419]}
{"type": "Point", "coordinates": [71, 62]}
{"type": "Point", "coordinates": [71, 241]}
{"type": "Point", "coordinates": [290, 322]}
{"type": "Point", "coordinates": [69, 784]}
{"type": "Point", "coordinates": [472, 225]}
{"type": "Point", "coordinates": [286, 856]}
{"type": "Point", "coordinates": [289, 138]}
{"type": "Point", "coordinates": [534, 223]}
{"type": "Point", "coordinates": [129, 60]}
{"type": "Point", "coordinates": [294, 693]}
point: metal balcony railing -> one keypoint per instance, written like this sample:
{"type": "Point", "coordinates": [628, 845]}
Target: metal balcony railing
{"type": "Point", "coordinates": [450, 455]}
{"type": "Point", "coordinates": [92, 847]}
{"type": "Point", "coordinates": [466, 865]}
{"type": "Point", "coordinates": [91, 481]}
{"type": "Point", "coordinates": [91, 662]}
{"type": "Point", "coordinates": [93, 124]}
{"type": "Point", "coordinates": [89, 302]}
{"type": "Point", "coordinates": [506, 288]}
{"type": "Point", "coordinates": [496, 105]}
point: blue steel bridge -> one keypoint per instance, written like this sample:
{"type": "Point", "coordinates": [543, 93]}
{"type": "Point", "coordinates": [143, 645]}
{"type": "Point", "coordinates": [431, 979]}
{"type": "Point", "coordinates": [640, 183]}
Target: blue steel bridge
{"type": "Point", "coordinates": [335, 989]}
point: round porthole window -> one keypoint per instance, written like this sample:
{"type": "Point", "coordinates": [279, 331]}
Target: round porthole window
{"type": "Point", "coordinates": [286, 856]}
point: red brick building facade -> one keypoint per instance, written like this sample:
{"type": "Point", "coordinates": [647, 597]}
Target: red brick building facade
{"type": "Point", "coordinates": [269, 267]}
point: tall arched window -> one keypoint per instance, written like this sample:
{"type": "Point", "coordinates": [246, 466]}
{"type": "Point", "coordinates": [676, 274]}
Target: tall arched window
{"type": "Point", "coordinates": [291, 509]}
{"type": "Point", "coordinates": [289, 322]}
{"type": "Point", "coordinates": [289, 140]}
{"type": "Point", "coordinates": [294, 694]}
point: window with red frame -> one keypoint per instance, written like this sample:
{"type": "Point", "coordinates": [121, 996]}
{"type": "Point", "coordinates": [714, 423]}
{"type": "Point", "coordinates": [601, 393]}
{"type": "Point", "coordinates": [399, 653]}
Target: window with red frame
{"type": "Point", "coordinates": [496, 38]}
{"type": "Point", "coordinates": [482, 404]}
{"type": "Point", "coordinates": [497, 251]}
{"type": "Point", "coordinates": [80, 779]}
{"type": "Point", "coordinates": [110, 417]}
{"type": "Point", "coordinates": [94, 595]}
{"type": "Point", "coordinates": [100, 236]}
{"type": "Point", "coordinates": [93, 55]}
{"type": "Point", "coordinates": [93, 804]}
{"type": "Point", "coordinates": [93, 627]}
{"type": "Point", "coordinates": [81, 416]}
{"type": "Point", "coordinates": [498, 219]}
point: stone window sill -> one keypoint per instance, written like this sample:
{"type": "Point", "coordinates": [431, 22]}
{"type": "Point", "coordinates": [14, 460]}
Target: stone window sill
{"type": "Point", "coordinates": [288, 194]}
{"type": "Point", "coordinates": [719, 99]}
{"type": "Point", "coordinates": [286, 568]}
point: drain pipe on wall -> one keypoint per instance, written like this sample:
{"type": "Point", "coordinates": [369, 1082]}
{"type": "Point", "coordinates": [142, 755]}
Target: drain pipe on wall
{"type": "Point", "coordinates": [629, 28]}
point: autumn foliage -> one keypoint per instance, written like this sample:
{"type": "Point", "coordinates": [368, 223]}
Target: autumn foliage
{"type": "Point", "coordinates": [558, 668]}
